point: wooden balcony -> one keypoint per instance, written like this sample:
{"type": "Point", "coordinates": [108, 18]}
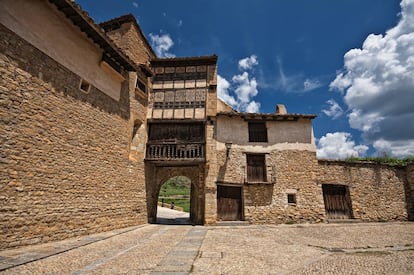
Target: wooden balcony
{"type": "Point", "coordinates": [175, 151]}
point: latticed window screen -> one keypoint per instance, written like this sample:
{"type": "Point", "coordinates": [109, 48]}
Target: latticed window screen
{"type": "Point", "coordinates": [256, 168]}
{"type": "Point", "coordinates": [257, 132]}
{"type": "Point", "coordinates": [177, 132]}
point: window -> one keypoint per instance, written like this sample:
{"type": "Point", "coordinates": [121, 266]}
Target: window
{"type": "Point", "coordinates": [291, 198]}
{"type": "Point", "coordinates": [84, 86]}
{"type": "Point", "coordinates": [257, 132]}
{"type": "Point", "coordinates": [141, 86]}
{"type": "Point", "coordinates": [256, 168]}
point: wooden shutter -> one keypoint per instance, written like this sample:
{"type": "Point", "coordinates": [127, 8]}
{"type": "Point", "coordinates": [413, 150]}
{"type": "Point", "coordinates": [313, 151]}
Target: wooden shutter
{"type": "Point", "coordinates": [256, 169]}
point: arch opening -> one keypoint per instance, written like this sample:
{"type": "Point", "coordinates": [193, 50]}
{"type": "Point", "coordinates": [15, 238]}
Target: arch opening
{"type": "Point", "coordinates": [174, 201]}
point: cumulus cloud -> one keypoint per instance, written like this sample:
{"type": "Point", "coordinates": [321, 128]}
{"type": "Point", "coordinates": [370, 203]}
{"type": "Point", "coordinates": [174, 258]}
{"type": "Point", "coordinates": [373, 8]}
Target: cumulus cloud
{"type": "Point", "coordinates": [223, 91]}
{"type": "Point", "coordinates": [334, 110]}
{"type": "Point", "coordinates": [162, 44]}
{"type": "Point", "coordinates": [339, 145]}
{"type": "Point", "coordinates": [242, 86]}
{"type": "Point", "coordinates": [378, 85]}
{"type": "Point", "coordinates": [396, 148]}
{"type": "Point", "coordinates": [248, 62]}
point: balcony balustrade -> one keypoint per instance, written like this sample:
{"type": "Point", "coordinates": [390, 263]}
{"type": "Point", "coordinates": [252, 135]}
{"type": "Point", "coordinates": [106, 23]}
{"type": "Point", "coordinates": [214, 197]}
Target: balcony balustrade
{"type": "Point", "coordinates": [175, 151]}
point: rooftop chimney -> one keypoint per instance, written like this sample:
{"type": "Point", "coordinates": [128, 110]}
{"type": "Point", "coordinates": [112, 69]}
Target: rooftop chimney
{"type": "Point", "coordinates": [281, 109]}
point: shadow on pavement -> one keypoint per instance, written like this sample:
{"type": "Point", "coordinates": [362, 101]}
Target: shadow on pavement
{"type": "Point", "coordinates": [176, 221]}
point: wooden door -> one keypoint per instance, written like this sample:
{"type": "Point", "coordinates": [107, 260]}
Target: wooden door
{"type": "Point", "coordinates": [337, 201]}
{"type": "Point", "coordinates": [229, 203]}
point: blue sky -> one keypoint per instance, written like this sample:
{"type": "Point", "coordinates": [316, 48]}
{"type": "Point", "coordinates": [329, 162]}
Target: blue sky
{"type": "Point", "coordinates": [348, 61]}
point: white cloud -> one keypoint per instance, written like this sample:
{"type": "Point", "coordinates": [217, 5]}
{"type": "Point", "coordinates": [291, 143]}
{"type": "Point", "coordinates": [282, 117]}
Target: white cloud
{"type": "Point", "coordinates": [246, 87]}
{"type": "Point", "coordinates": [378, 85]}
{"type": "Point", "coordinates": [248, 62]}
{"type": "Point", "coordinates": [243, 87]}
{"type": "Point", "coordinates": [162, 44]}
{"type": "Point", "coordinates": [180, 23]}
{"type": "Point", "coordinates": [339, 145]}
{"type": "Point", "coordinates": [334, 110]}
{"type": "Point", "coordinates": [223, 91]}
{"type": "Point", "coordinates": [135, 4]}
{"type": "Point", "coordinates": [295, 83]}
{"type": "Point", "coordinates": [311, 84]}
{"type": "Point", "coordinates": [395, 148]}
{"type": "Point", "coordinates": [253, 107]}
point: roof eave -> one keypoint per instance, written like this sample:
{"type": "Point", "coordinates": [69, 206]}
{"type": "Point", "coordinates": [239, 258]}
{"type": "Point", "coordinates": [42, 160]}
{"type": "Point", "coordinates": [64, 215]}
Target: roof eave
{"type": "Point", "coordinates": [79, 18]}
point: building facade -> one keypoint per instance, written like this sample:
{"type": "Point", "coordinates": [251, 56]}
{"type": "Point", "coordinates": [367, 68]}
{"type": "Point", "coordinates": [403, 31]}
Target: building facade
{"type": "Point", "coordinates": [93, 123]}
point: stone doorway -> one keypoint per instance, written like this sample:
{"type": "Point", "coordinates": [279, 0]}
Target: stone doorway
{"type": "Point", "coordinates": [156, 174]}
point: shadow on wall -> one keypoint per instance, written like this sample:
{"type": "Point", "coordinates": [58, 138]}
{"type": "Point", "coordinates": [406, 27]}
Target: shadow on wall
{"type": "Point", "coordinates": [409, 190]}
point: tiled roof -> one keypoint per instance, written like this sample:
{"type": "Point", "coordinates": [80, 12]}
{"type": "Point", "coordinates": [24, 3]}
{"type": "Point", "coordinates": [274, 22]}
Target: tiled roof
{"type": "Point", "coordinates": [266, 116]}
{"type": "Point", "coordinates": [194, 60]}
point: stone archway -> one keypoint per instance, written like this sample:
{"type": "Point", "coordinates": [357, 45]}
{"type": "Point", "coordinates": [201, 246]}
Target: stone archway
{"type": "Point", "coordinates": [157, 174]}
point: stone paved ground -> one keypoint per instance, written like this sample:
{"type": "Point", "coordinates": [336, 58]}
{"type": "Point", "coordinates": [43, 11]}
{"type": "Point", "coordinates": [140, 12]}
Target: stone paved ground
{"type": "Point", "coordinates": [364, 248]}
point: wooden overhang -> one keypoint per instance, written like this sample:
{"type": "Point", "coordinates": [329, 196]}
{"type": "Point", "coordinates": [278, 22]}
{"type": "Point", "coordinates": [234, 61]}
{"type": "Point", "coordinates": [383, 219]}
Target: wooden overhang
{"type": "Point", "coordinates": [112, 54]}
{"type": "Point", "coordinates": [116, 23]}
{"type": "Point", "coordinates": [267, 116]}
{"type": "Point", "coordinates": [184, 61]}
{"type": "Point", "coordinates": [146, 70]}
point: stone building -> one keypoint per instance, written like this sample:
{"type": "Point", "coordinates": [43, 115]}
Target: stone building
{"type": "Point", "coordinates": [93, 123]}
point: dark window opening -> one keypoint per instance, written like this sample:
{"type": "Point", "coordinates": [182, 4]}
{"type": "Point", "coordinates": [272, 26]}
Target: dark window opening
{"type": "Point", "coordinates": [291, 198]}
{"type": "Point", "coordinates": [141, 86]}
{"type": "Point", "coordinates": [257, 132]}
{"type": "Point", "coordinates": [85, 86]}
{"type": "Point", "coordinates": [176, 132]}
{"type": "Point", "coordinates": [256, 168]}
{"type": "Point", "coordinates": [180, 76]}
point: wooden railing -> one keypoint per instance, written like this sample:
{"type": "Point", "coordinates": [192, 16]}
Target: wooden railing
{"type": "Point", "coordinates": [175, 151]}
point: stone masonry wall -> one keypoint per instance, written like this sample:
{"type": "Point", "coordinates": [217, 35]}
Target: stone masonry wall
{"type": "Point", "coordinates": [376, 191]}
{"type": "Point", "coordinates": [288, 172]}
{"type": "Point", "coordinates": [64, 159]}
{"type": "Point", "coordinates": [127, 37]}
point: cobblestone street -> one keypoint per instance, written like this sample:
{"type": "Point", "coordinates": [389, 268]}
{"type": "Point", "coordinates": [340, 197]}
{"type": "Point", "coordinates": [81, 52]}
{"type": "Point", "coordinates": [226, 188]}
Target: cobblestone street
{"type": "Point", "coordinates": [363, 248]}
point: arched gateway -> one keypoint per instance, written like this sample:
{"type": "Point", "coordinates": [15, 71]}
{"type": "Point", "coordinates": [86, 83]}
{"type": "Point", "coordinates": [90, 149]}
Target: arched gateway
{"type": "Point", "coordinates": [158, 175]}
{"type": "Point", "coordinates": [179, 113]}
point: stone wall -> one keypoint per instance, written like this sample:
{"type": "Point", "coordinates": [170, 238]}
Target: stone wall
{"type": "Point", "coordinates": [130, 40]}
{"type": "Point", "coordinates": [64, 158]}
{"type": "Point", "coordinates": [377, 191]}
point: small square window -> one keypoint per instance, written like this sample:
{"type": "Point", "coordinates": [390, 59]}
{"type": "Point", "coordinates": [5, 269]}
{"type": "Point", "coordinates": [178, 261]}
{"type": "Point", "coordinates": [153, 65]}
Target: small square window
{"type": "Point", "coordinates": [84, 86]}
{"type": "Point", "coordinates": [291, 198]}
{"type": "Point", "coordinates": [257, 131]}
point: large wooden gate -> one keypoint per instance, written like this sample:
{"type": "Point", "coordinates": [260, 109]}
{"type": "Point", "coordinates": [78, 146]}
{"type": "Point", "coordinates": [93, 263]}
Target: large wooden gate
{"type": "Point", "coordinates": [229, 203]}
{"type": "Point", "coordinates": [337, 201]}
